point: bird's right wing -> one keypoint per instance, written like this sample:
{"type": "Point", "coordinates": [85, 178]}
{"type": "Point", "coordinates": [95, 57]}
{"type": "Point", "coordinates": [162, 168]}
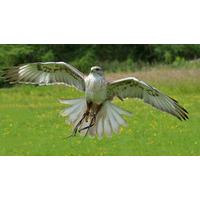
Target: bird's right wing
{"type": "Point", "coordinates": [47, 73]}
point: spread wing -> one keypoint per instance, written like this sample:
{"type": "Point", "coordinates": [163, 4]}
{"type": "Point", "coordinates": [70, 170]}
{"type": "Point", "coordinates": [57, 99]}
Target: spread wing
{"type": "Point", "coordinates": [47, 73]}
{"type": "Point", "coordinates": [134, 88]}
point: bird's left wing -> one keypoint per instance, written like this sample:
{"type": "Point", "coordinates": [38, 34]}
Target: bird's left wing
{"type": "Point", "coordinates": [46, 73]}
{"type": "Point", "coordinates": [134, 88]}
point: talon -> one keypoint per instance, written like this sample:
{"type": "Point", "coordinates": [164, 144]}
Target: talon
{"type": "Point", "coordinates": [87, 127]}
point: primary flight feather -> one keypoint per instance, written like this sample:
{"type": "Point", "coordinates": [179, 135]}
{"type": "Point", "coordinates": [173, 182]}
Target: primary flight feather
{"type": "Point", "coordinates": [46, 73]}
{"type": "Point", "coordinates": [94, 113]}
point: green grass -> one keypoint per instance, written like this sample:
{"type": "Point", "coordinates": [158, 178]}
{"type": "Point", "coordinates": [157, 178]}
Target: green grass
{"type": "Point", "coordinates": [30, 124]}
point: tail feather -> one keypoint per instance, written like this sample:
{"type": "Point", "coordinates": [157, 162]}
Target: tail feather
{"type": "Point", "coordinates": [107, 126]}
{"type": "Point", "coordinates": [118, 117]}
{"type": "Point", "coordinates": [120, 111]}
{"type": "Point", "coordinates": [69, 110]}
{"type": "Point", "coordinates": [108, 120]}
{"type": "Point", "coordinates": [114, 124]}
{"type": "Point", "coordinates": [99, 127]}
{"type": "Point", "coordinates": [71, 101]}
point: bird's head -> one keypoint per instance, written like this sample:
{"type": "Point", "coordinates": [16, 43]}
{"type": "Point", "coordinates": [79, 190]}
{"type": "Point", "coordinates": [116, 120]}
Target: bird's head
{"type": "Point", "coordinates": [97, 70]}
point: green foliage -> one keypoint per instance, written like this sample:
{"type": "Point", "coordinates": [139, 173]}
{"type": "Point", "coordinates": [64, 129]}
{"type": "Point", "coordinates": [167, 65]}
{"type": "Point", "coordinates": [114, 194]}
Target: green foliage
{"type": "Point", "coordinates": [179, 61]}
{"type": "Point", "coordinates": [48, 56]}
{"type": "Point", "coordinates": [119, 66]}
{"type": "Point", "coordinates": [86, 61]}
{"type": "Point", "coordinates": [167, 57]}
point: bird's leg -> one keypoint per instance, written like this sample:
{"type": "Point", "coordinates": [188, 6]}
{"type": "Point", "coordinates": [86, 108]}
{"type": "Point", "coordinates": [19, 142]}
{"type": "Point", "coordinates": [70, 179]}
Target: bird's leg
{"type": "Point", "coordinates": [79, 123]}
{"type": "Point", "coordinates": [99, 108]}
{"type": "Point", "coordinates": [77, 126]}
{"type": "Point", "coordinates": [85, 115]}
{"type": "Point", "coordinates": [92, 122]}
{"type": "Point", "coordinates": [89, 105]}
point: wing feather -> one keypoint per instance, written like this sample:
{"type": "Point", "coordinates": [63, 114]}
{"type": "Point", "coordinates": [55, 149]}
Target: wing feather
{"type": "Point", "coordinates": [134, 88]}
{"type": "Point", "coordinates": [46, 73]}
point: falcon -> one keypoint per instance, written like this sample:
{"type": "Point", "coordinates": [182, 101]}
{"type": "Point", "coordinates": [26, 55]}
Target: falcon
{"type": "Point", "coordinates": [94, 114]}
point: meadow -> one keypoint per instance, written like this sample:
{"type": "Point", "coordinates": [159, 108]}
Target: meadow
{"type": "Point", "coordinates": [30, 123]}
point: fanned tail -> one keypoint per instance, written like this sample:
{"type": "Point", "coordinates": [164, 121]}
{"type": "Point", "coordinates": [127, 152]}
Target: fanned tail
{"type": "Point", "coordinates": [108, 120]}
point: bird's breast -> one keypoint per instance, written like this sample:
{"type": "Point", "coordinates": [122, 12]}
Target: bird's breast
{"type": "Point", "coordinates": [95, 89]}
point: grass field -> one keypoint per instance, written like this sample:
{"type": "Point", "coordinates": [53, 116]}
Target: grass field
{"type": "Point", "coordinates": [30, 123]}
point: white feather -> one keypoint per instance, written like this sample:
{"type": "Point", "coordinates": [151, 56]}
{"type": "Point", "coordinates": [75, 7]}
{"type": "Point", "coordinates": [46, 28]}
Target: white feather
{"type": "Point", "coordinates": [100, 128]}
{"type": "Point", "coordinates": [68, 111]}
{"type": "Point", "coordinates": [73, 101]}
{"type": "Point", "coordinates": [118, 117]}
{"type": "Point", "coordinates": [113, 122]}
{"type": "Point", "coordinates": [76, 116]}
{"type": "Point", "coordinates": [107, 128]}
{"type": "Point", "coordinates": [120, 111]}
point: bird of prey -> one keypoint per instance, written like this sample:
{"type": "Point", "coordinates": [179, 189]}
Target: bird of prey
{"type": "Point", "coordinates": [94, 114]}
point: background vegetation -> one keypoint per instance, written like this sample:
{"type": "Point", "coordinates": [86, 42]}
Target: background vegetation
{"type": "Point", "coordinates": [112, 57]}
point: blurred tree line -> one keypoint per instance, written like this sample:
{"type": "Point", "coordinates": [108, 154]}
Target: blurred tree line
{"type": "Point", "coordinates": [83, 56]}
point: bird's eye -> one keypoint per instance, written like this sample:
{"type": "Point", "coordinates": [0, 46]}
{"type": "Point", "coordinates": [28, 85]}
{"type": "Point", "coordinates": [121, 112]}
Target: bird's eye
{"type": "Point", "coordinates": [97, 69]}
